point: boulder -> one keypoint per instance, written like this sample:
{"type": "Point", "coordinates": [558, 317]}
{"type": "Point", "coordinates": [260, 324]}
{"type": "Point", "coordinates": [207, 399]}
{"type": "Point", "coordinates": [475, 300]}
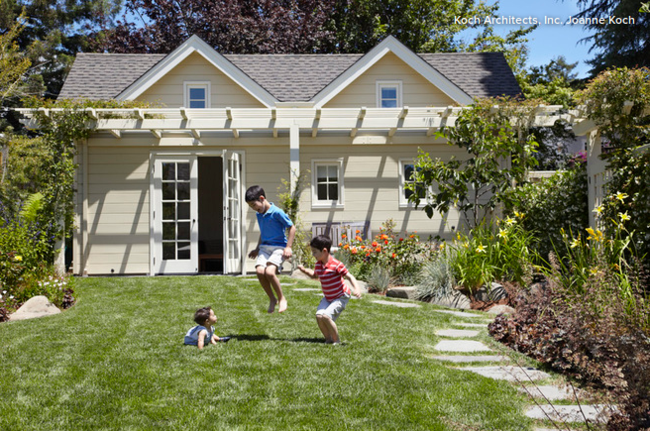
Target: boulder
{"type": "Point", "coordinates": [38, 306]}
{"type": "Point", "coordinates": [363, 286]}
{"type": "Point", "coordinates": [454, 300]}
{"type": "Point", "coordinates": [299, 275]}
{"type": "Point", "coordinates": [501, 309]}
{"type": "Point", "coordinates": [406, 292]}
{"type": "Point", "coordinates": [494, 293]}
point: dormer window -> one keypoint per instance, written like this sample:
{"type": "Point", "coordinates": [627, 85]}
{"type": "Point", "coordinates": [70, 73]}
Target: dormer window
{"type": "Point", "coordinates": [389, 94]}
{"type": "Point", "coordinates": [197, 95]}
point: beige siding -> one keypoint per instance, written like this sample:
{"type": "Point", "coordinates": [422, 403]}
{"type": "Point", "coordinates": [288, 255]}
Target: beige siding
{"type": "Point", "coordinates": [417, 91]}
{"type": "Point", "coordinates": [224, 91]}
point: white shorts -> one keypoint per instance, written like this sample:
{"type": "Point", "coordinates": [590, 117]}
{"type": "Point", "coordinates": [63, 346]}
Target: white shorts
{"type": "Point", "coordinates": [270, 254]}
{"type": "Point", "coordinates": [332, 309]}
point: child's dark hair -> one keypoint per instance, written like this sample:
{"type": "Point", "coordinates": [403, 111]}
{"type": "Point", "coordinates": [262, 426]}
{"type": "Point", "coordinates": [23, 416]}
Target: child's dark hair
{"type": "Point", "coordinates": [321, 242]}
{"type": "Point", "coordinates": [254, 193]}
{"type": "Point", "coordinates": [202, 314]}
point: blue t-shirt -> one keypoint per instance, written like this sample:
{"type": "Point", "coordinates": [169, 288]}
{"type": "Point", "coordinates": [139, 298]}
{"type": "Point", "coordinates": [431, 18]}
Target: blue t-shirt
{"type": "Point", "coordinates": [192, 336]}
{"type": "Point", "coordinates": [273, 226]}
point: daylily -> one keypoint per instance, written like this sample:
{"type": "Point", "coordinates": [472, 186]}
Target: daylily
{"type": "Point", "coordinates": [597, 235]}
{"type": "Point", "coordinates": [575, 242]}
{"type": "Point", "coordinates": [599, 209]}
{"type": "Point", "coordinates": [480, 249]}
{"type": "Point", "coordinates": [18, 258]}
{"type": "Point", "coordinates": [502, 233]}
{"type": "Point", "coordinates": [510, 221]}
{"type": "Point", "coordinates": [624, 216]}
{"type": "Point", "coordinates": [621, 196]}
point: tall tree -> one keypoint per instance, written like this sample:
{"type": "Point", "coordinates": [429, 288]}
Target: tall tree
{"type": "Point", "coordinates": [624, 39]}
{"type": "Point", "coordinates": [13, 63]}
{"type": "Point", "coordinates": [237, 26]}
{"type": "Point", "coordinates": [54, 32]}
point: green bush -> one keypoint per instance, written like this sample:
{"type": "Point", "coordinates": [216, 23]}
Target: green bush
{"type": "Point", "coordinates": [499, 251]}
{"type": "Point", "coordinates": [555, 203]}
{"type": "Point", "coordinates": [436, 280]}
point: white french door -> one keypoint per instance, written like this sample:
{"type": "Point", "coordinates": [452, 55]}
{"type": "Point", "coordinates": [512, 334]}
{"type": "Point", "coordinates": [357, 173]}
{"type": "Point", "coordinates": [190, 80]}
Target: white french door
{"type": "Point", "coordinates": [175, 212]}
{"type": "Point", "coordinates": [232, 212]}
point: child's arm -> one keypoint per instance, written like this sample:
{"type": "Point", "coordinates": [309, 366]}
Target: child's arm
{"type": "Point", "coordinates": [214, 339]}
{"type": "Point", "coordinates": [353, 281]}
{"type": "Point", "coordinates": [309, 272]}
{"type": "Point", "coordinates": [253, 254]}
{"type": "Point", "coordinates": [287, 250]}
{"type": "Point", "coordinates": [202, 334]}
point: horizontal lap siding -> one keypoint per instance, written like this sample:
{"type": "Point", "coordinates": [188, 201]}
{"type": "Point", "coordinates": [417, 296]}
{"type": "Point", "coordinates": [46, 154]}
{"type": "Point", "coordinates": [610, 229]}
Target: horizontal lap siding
{"type": "Point", "coordinates": [416, 90]}
{"type": "Point", "coordinates": [118, 209]}
{"type": "Point", "coordinates": [224, 91]}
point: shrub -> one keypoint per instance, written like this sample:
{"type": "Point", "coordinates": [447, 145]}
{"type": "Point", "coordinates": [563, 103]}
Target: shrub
{"type": "Point", "coordinates": [493, 252]}
{"type": "Point", "coordinates": [554, 203]}
{"type": "Point", "coordinates": [436, 279]}
{"type": "Point", "coordinates": [379, 279]}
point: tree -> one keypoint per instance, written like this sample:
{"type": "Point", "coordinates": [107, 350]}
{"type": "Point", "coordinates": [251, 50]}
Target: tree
{"type": "Point", "coordinates": [13, 63]}
{"type": "Point", "coordinates": [238, 26]}
{"type": "Point", "coordinates": [499, 154]}
{"type": "Point", "coordinates": [624, 39]}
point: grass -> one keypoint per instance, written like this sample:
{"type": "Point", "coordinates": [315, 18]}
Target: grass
{"type": "Point", "coordinates": [116, 361]}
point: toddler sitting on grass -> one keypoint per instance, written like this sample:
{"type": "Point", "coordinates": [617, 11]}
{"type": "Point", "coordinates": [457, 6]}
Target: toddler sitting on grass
{"type": "Point", "coordinates": [204, 332]}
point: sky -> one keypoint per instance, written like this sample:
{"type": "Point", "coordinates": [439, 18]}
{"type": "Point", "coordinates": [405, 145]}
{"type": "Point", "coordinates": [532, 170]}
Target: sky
{"type": "Point", "coordinates": [549, 41]}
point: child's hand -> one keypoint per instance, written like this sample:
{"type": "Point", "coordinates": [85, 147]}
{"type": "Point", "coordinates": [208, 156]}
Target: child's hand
{"type": "Point", "coordinates": [357, 293]}
{"type": "Point", "coordinates": [287, 253]}
{"type": "Point", "coordinates": [302, 268]}
{"type": "Point", "coordinates": [253, 254]}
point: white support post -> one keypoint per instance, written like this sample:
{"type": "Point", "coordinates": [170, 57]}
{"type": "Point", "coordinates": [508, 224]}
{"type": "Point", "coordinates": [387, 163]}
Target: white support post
{"type": "Point", "coordinates": [294, 155]}
{"type": "Point", "coordinates": [595, 175]}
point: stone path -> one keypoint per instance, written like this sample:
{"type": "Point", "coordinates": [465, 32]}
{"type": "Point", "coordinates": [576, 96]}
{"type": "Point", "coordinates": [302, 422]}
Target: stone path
{"type": "Point", "coordinates": [544, 396]}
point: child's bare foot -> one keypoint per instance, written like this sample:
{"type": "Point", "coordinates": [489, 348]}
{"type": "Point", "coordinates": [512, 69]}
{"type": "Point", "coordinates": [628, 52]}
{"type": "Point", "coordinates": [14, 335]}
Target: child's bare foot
{"type": "Point", "coordinates": [283, 306]}
{"type": "Point", "coordinates": [272, 305]}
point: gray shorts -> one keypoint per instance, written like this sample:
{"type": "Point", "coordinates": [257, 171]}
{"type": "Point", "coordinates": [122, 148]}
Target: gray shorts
{"type": "Point", "coordinates": [332, 309]}
{"type": "Point", "coordinates": [270, 254]}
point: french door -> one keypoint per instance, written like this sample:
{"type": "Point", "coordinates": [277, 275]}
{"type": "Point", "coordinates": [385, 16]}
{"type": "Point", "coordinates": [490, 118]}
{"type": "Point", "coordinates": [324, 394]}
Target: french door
{"type": "Point", "coordinates": [174, 214]}
{"type": "Point", "coordinates": [232, 212]}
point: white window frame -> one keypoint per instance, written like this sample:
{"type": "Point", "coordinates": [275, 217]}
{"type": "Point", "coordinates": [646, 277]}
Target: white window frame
{"type": "Point", "coordinates": [187, 85]}
{"type": "Point", "coordinates": [389, 84]}
{"type": "Point", "coordinates": [315, 203]}
{"type": "Point", "coordinates": [403, 201]}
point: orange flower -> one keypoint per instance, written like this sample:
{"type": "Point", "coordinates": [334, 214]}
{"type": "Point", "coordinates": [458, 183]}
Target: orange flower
{"type": "Point", "coordinates": [346, 246]}
{"type": "Point", "coordinates": [363, 247]}
{"type": "Point", "coordinates": [401, 239]}
{"type": "Point", "coordinates": [344, 236]}
{"type": "Point", "coordinates": [374, 244]}
{"type": "Point", "coordinates": [358, 238]}
{"type": "Point", "coordinates": [393, 255]}
{"type": "Point", "coordinates": [353, 250]}
{"type": "Point", "coordinates": [384, 236]}
{"type": "Point", "coordinates": [340, 244]}
{"type": "Point", "coordinates": [386, 242]}
{"type": "Point", "coordinates": [412, 236]}
{"type": "Point", "coordinates": [367, 254]}
{"type": "Point", "coordinates": [358, 231]}
{"type": "Point", "coordinates": [378, 249]}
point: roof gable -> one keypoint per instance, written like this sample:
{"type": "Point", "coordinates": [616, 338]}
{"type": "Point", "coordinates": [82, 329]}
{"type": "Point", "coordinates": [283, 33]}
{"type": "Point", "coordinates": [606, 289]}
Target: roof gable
{"type": "Point", "coordinates": [390, 44]}
{"type": "Point", "coordinates": [195, 44]}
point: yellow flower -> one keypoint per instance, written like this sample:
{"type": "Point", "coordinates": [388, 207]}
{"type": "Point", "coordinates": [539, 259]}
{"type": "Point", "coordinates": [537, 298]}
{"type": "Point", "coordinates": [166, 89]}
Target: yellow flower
{"type": "Point", "coordinates": [594, 271]}
{"type": "Point", "coordinates": [595, 235]}
{"type": "Point", "coordinates": [480, 249]}
{"type": "Point", "coordinates": [599, 209]}
{"type": "Point", "coordinates": [575, 242]}
{"type": "Point", "coordinates": [441, 246]}
{"type": "Point", "coordinates": [621, 196]}
{"type": "Point", "coordinates": [18, 258]}
{"type": "Point", "coordinates": [510, 221]}
{"type": "Point", "coordinates": [624, 216]}
{"type": "Point", "coordinates": [518, 214]}
{"type": "Point", "coordinates": [502, 233]}
{"type": "Point", "coordinates": [465, 244]}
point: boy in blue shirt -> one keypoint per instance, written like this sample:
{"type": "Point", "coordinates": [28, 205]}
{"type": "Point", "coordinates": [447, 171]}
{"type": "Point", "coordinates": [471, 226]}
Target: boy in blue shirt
{"type": "Point", "coordinates": [273, 246]}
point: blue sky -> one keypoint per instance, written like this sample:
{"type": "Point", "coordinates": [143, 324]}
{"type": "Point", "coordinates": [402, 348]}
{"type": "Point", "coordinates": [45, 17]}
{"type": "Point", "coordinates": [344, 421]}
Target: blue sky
{"type": "Point", "coordinates": [549, 41]}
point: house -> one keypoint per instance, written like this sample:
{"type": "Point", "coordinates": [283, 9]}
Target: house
{"type": "Point", "coordinates": [160, 191]}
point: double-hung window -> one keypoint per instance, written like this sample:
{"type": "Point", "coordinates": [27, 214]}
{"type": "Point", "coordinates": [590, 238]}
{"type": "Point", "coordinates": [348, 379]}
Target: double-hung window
{"type": "Point", "coordinates": [389, 94]}
{"type": "Point", "coordinates": [407, 177]}
{"type": "Point", "coordinates": [327, 183]}
{"type": "Point", "coordinates": [197, 95]}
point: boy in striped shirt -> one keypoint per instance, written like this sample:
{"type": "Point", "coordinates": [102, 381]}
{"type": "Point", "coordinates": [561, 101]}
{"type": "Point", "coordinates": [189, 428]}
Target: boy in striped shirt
{"type": "Point", "coordinates": [336, 293]}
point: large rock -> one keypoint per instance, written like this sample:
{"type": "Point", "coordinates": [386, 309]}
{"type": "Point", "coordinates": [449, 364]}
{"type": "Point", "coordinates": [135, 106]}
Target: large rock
{"type": "Point", "coordinates": [501, 309]}
{"type": "Point", "coordinates": [299, 275]}
{"type": "Point", "coordinates": [406, 292]}
{"type": "Point", "coordinates": [38, 306]}
{"type": "Point", "coordinates": [494, 293]}
{"type": "Point", "coordinates": [363, 286]}
{"type": "Point", "coordinates": [454, 300]}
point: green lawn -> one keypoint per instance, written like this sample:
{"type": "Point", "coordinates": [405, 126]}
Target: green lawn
{"type": "Point", "coordinates": [116, 361]}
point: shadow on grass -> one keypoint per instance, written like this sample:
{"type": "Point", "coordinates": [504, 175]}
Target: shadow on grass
{"type": "Point", "coordinates": [249, 337]}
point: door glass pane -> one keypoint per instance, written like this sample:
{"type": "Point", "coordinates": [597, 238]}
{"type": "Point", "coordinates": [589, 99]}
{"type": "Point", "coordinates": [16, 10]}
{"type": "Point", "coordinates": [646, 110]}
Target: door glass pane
{"type": "Point", "coordinates": [183, 211]}
{"type": "Point", "coordinates": [183, 191]}
{"type": "Point", "coordinates": [183, 172]}
{"type": "Point", "coordinates": [168, 171]}
{"type": "Point", "coordinates": [184, 250]}
{"type": "Point", "coordinates": [169, 211]}
{"type": "Point", "coordinates": [183, 230]}
{"type": "Point", "coordinates": [169, 250]}
{"type": "Point", "coordinates": [168, 191]}
{"type": "Point", "coordinates": [169, 231]}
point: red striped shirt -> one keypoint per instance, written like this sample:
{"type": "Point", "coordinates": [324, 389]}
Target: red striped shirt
{"type": "Point", "coordinates": [331, 278]}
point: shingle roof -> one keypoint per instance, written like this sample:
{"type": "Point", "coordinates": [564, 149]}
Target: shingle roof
{"type": "Point", "coordinates": [294, 77]}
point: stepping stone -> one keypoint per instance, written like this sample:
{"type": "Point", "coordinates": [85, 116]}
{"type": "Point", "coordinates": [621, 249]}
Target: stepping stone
{"type": "Point", "coordinates": [573, 413]}
{"type": "Point", "coordinates": [306, 289]}
{"type": "Point", "coordinates": [474, 325]}
{"type": "Point", "coordinates": [398, 304]}
{"type": "Point", "coordinates": [551, 393]}
{"type": "Point", "coordinates": [456, 333]}
{"type": "Point", "coordinates": [509, 373]}
{"type": "Point", "coordinates": [458, 313]}
{"type": "Point", "coordinates": [464, 359]}
{"type": "Point", "coordinates": [461, 346]}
